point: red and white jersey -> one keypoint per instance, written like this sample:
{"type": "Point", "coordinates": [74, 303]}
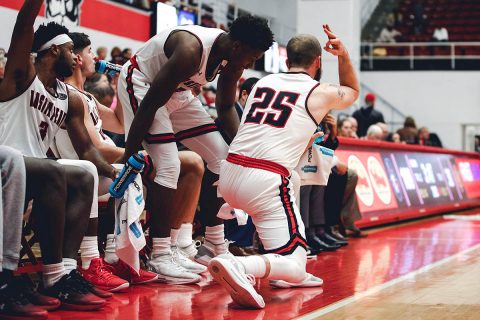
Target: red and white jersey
{"type": "Point", "coordinates": [63, 147]}
{"type": "Point", "coordinates": [30, 121]}
{"type": "Point", "coordinates": [151, 57]}
{"type": "Point", "coordinates": [276, 123]}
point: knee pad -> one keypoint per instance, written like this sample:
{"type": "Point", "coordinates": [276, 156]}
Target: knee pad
{"type": "Point", "coordinates": [168, 171]}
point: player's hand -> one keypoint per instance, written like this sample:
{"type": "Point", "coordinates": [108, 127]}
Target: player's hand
{"type": "Point", "coordinates": [334, 45]}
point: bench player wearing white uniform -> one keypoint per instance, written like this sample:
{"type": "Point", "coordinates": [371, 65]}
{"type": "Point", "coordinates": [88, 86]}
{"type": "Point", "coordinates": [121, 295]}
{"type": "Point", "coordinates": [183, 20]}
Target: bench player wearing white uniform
{"type": "Point", "coordinates": [97, 117]}
{"type": "Point", "coordinates": [35, 104]}
{"type": "Point", "coordinates": [281, 114]}
{"type": "Point", "coordinates": [159, 108]}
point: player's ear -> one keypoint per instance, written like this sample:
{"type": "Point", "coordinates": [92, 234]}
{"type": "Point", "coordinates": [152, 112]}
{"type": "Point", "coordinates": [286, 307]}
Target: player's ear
{"type": "Point", "coordinates": [287, 62]}
{"type": "Point", "coordinates": [55, 50]}
{"type": "Point", "coordinates": [237, 45]}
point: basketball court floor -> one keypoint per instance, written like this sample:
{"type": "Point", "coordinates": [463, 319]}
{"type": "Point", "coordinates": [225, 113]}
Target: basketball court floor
{"type": "Point", "coordinates": [427, 269]}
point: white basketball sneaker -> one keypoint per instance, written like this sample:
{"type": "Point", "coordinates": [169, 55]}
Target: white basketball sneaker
{"type": "Point", "coordinates": [309, 281]}
{"type": "Point", "coordinates": [188, 264]}
{"type": "Point", "coordinates": [191, 250]}
{"type": "Point", "coordinates": [169, 271]}
{"type": "Point", "coordinates": [207, 251]}
{"type": "Point", "coordinates": [230, 274]}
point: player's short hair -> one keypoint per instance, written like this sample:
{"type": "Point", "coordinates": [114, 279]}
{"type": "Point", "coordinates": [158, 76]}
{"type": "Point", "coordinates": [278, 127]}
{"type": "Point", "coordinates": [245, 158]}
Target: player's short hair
{"type": "Point", "coordinates": [253, 31]}
{"type": "Point", "coordinates": [46, 33]}
{"type": "Point", "coordinates": [302, 50]}
{"type": "Point", "coordinates": [247, 85]}
{"type": "Point", "coordinates": [80, 41]}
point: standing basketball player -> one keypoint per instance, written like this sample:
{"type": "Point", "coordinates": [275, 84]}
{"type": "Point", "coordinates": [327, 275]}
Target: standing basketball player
{"type": "Point", "coordinates": [280, 116]}
{"type": "Point", "coordinates": [34, 105]}
{"type": "Point", "coordinates": [97, 117]}
{"type": "Point", "coordinates": [159, 109]}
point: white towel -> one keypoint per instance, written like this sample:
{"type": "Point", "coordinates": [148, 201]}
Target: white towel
{"type": "Point", "coordinates": [315, 165]}
{"type": "Point", "coordinates": [129, 237]}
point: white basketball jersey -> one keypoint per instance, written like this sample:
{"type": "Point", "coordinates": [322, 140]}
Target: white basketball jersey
{"type": "Point", "coordinates": [63, 145]}
{"type": "Point", "coordinates": [30, 121]}
{"type": "Point", "coordinates": [151, 57]}
{"type": "Point", "coordinates": [276, 123]}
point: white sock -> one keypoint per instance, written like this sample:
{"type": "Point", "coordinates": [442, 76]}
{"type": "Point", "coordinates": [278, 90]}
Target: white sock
{"type": "Point", "coordinates": [110, 253]}
{"type": "Point", "coordinates": [52, 273]}
{"type": "Point", "coordinates": [161, 246]}
{"type": "Point", "coordinates": [69, 264]}
{"type": "Point", "coordinates": [254, 265]}
{"type": "Point", "coordinates": [89, 250]}
{"type": "Point", "coordinates": [174, 236]}
{"type": "Point", "coordinates": [185, 235]}
{"type": "Point", "coordinates": [215, 235]}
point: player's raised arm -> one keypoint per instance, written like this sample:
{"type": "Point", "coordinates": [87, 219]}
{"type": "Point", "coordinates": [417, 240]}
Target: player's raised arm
{"type": "Point", "coordinates": [343, 95]}
{"type": "Point", "coordinates": [19, 70]}
{"type": "Point", "coordinates": [184, 51]}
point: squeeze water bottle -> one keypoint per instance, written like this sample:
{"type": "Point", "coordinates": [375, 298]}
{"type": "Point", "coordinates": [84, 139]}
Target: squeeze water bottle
{"type": "Point", "coordinates": [133, 167]}
{"type": "Point", "coordinates": [105, 67]}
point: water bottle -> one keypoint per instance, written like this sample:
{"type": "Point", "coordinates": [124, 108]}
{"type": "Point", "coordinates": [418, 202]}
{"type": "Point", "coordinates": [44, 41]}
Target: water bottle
{"type": "Point", "coordinates": [105, 67]}
{"type": "Point", "coordinates": [133, 166]}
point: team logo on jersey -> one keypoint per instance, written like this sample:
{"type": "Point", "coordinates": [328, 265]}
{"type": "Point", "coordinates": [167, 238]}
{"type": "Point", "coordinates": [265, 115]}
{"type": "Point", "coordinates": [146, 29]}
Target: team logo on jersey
{"type": "Point", "coordinates": [62, 96]}
{"type": "Point", "coordinates": [65, 12]}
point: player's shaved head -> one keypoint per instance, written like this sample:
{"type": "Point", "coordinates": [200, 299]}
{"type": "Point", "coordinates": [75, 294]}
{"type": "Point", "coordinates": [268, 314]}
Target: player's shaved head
{"type": "Point", "coordinates": [302, 50]}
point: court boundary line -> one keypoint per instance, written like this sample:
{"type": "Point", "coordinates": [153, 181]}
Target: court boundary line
{"type": "Point", "coordinates": [356, 297]}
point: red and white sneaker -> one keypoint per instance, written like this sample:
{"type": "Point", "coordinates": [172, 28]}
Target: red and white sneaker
{"type": "Point", "coordinates": [100, 275]}
{"type": "Point", "coordinates": [126, 272]}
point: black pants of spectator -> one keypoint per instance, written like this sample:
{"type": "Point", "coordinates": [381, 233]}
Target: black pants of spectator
{"type": "Point", "coordinates": [312, 207]}
{"type": "Point", "coordinates": [334, 193]}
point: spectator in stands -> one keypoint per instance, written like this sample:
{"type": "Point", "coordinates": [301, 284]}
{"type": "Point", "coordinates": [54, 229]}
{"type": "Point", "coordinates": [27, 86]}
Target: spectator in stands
{"type": "Point", "coordinates": [389, 34]}
{"type": "Point", "coordinates": [419, 17]}
{"type": "Point", "coordinates": [385, 131]}
{"type": "Point", "coordinates": [374, 133]}
{"type": "Point", "coordinates": [100, 87]}
{"type": "Point", "coordinates": [425, 138]}
{"type": "Point", "coordinates": [366, 116]}
{"type": "Point", "coordinates": [409, 131]}
{"type": "Point", "coordinates": [394, 137]}
{"type": "Point", "coordinates": [345, 128]}
{"type": "Point", "coordinates": [477, 144]}
{"type": "Point", "coordinates": [440, 34]}
{"type": "Point", "coordinates": [102, 53]}
{"type": "Point", "coordinates": [116, 55]}
{"type": "Point", "coordinates": [126, 54]}
{"type": "Point", "coordinates": [354, 123]}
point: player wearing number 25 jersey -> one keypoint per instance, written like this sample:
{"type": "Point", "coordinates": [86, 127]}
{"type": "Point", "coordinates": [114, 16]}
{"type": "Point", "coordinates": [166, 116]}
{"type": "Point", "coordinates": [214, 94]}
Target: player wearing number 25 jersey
{"type": "Point", "coordinates": [281, 115]}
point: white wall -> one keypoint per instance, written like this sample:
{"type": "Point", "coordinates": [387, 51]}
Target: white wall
{"type": "Point", "coordinates": [343, 16]}
{"type": "Point", "coordinates": [281, 13]}
{"type": "Point", "coordinates": [98, 38]}
{"type": "Point", "coordinates": [441, 101]}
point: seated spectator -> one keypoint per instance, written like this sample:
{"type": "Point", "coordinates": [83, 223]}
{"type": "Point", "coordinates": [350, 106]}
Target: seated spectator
{"type": "Point", "coordinates": [116, 55]}
{"type": "Point", "coordinates": [385, 131]}
{"type": "Point", "coordinates": [102, 53]}
{"type": "Point", "coordinates": [409, 131]}
{"type": "Point", "coordinates": [126, 54]}
{"type": "Point", "coordinates": [425, 138]}
{"type": "Point", "coordinates": [345, 128]}
{"type": "Point", "coordinates": [394, 137]}
{"type": "Point", "coordinates": [366, 116]}
{"type": "Point", "coordinates": [374, 133]}
{"type": "Point", "coordinates": [440, 34]}
{"type": "Point", "coordinates": [389, 34]}
{"type": "Point", "coordinates": [354, 123]}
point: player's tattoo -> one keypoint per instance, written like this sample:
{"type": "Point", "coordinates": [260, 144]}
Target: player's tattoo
{"type": "Point", "coordinates": [340, 92]}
